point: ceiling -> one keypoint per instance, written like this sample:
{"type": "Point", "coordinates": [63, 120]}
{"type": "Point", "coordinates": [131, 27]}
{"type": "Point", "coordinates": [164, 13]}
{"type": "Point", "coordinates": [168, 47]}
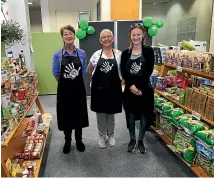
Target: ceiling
{"type": "Point", "coordinates": [155, 1]}
{"type": "Point", "coordinates": [35, 5]}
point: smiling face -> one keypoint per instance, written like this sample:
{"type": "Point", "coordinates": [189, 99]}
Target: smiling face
{"type": "Point", "coordinates": [136, 36]}
{"type": "Point", "coordinates": [106, 39]}
{"type": "Point", "coordinates": [68, 37]}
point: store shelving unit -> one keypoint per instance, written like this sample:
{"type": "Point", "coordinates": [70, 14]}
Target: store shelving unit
{"type": "Point", "coordinates": [164, 68]}
{"type": "Point", "coordinates": [15, 143]}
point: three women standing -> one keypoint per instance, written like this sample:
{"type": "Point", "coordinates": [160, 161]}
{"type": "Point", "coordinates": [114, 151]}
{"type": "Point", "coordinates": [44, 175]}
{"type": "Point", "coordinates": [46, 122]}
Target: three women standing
{"type": "Point", "coordinates": [106, 91]}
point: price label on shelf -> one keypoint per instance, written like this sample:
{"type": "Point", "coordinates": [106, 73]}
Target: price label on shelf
{"type": "Point", "coordinates": [196, 115]}
{"type": "Point", "coordinates": [179, 68]}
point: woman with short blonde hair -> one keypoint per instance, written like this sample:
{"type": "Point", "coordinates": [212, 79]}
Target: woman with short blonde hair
{"type": "Point", "coordinates": [106, 92]}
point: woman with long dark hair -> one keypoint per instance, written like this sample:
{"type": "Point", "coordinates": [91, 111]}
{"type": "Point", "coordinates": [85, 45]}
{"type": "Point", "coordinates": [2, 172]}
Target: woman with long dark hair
{"type": "Point", "coordinates": [137, 63]}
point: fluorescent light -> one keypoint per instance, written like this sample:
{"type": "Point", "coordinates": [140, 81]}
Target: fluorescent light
{"type": "Point", "coordinates": [30, 3]}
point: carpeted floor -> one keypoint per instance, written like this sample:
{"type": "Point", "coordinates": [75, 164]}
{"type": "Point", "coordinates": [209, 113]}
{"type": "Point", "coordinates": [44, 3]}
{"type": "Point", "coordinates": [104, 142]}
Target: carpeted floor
{"type": "Point", "coordinates": [159, 161]}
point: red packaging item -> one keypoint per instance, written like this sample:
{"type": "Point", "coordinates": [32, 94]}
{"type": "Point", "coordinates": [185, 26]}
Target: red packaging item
{"type": "Point", "coordinates": [179, 81]}
{"type": "Point", "coordinates": [170, 81]}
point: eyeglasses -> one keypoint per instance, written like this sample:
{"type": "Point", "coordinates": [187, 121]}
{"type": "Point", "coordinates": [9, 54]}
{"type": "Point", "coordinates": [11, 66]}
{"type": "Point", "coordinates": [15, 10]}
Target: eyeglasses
{"type": "Point", "coordinates": [132, 26]}
{"type": "Point", "coordinates": [106, 37]}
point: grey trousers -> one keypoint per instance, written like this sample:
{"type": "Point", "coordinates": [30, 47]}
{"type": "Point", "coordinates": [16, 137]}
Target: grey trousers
{"type": "Point", "coordinates": [105, 124]}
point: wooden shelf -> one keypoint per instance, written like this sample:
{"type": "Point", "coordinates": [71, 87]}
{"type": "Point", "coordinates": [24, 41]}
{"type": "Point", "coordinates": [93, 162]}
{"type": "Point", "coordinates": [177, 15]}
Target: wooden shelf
{"type": "Point", "coordinates": [21, 72]}
{"type": "Point", "coordinates": [196, 169]}
{"type": "Point", "coordinates": [158, 64]}
{"type": "Point", "coordinates": [14, 130]}
{"type": "Point", "coordinates": [182, 106]}
{"type": "Point", "coordinates": [164, 137]}
{"type": "Point", "coordinates": [194, 72]}
{"type": "Point", "coordinates": [3, 83]}
{"type": "Point", "coordinates": [39, 161]}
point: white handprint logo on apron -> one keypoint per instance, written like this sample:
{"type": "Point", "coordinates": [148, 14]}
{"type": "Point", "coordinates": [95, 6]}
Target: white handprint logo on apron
{"type": "Point", "coordinates": [72, 72]}
{"type": "Point", "coordinates": [135, 68]}
{"type": "Point", "coordinates": [106, 67]}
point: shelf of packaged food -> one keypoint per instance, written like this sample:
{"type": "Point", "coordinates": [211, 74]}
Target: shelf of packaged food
{"type": "Point", "coordinates": [196, 168]}
{"type": "Point", "coordinates": [182, 106]}
{"type": "Point", "coordinates": [39, 161]}
{"type": "Point", "coordinates": [14, 130]}
{"type": "Point", "coordinates": [194, 72]}
{"type": "Point", "coordinates": [19, 73]}
{"type": "Point", "coordinates": [3, 83]}
{"type": "Point", "coordinates": [163, 136]}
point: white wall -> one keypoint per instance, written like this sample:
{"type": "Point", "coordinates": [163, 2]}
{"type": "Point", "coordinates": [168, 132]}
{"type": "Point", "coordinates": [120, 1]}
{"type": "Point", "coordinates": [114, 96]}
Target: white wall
{"type": "Point", "coordinates": [157, 12]}
{"type": "Point", "coordinates": [35, 20]}
{"type": "Point", "coordinates": [105, 10]}
{"type": "Point", "coordinates": [67, 12]}
{"type": "Point", "coordinates": [212, 34]}
{"type": "Point", "coordinates": [177, 10]}
{"type": "Point", "coordinates": [182, 10]}
{"type": "Point", "coordinates": [19, 12]}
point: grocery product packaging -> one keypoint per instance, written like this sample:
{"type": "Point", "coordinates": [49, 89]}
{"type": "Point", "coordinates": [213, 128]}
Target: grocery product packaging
{"type": "Point", "coordinates": [209, 111]}
{"type": "Point", "coordinates": [185, 145]}
{"type": "Point", "coordinates": [188, 98]}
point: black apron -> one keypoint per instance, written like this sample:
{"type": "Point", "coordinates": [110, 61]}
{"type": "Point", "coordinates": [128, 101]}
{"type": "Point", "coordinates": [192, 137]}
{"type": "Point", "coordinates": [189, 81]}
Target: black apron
{"type": "Point", "coordinates": [106, 91]}
{"type": "Point", "coordinates": [138, 105]}
{"type": "Point", "coordinates": [71, 95]}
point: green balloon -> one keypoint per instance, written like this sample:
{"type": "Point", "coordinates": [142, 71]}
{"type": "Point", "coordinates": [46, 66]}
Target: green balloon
{"type": "Point", "coordinates": [148, 21]}
{"type": "Point", "coordinates": [84, 24]}
{"type": "Point", "coordinates": [80, 33]}
{"type": "Point", "coordinates": [153, 30]}
{"type": "Point", "coordinates": [159, 23]}
{"type": "Point", "coordinates": [90, 30]}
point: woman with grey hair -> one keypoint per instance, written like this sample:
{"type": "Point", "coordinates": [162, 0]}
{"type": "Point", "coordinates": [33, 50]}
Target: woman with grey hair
{"type": "Point", "coordinates": [106, 91]}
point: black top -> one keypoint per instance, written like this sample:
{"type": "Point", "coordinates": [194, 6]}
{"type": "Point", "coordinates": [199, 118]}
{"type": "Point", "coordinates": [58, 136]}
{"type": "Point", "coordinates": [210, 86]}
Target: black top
{"type": "Point", "coordinates": [142, 82]}
{"type": "Point", "coordinates": [137, 72]}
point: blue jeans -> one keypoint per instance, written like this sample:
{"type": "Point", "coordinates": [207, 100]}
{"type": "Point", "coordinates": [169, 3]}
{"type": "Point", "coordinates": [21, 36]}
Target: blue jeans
{"type": "Point", "coordinates": [142, 128]}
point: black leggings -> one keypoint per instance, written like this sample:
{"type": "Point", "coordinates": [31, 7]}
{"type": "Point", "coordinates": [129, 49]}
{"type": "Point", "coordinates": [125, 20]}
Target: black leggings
{"type": "Point", "coordinates": [78, 135]}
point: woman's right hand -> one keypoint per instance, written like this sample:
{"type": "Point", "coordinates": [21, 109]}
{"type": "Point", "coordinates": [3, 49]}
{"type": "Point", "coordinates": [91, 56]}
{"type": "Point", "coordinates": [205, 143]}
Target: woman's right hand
{"type": "Point", "coordinates": [135, 91]}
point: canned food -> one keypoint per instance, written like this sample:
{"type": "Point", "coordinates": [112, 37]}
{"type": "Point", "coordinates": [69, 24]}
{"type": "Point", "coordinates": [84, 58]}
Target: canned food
{"type": "Point", "coordinates": [5, 99]}
{"type": "Point", "coordinates": [21, 94]}
{"type": "Point", "coordinates": [15, 94]}
{"type": "Point", "coordinates": [13, 110]}
{"type": "Point", "coordinates": [27, 93]}
{"type": "Point", "coordinates": [6, 113]}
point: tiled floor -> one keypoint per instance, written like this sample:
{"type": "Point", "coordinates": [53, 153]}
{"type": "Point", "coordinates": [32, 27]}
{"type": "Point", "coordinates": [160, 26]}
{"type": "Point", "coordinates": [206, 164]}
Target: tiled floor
{"type": "Point", "coordinates": [109, 162]}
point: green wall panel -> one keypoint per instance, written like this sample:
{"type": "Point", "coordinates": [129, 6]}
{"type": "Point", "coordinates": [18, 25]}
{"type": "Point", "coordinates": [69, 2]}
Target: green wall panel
{"type": "Point", "coordinates": [45, 45]}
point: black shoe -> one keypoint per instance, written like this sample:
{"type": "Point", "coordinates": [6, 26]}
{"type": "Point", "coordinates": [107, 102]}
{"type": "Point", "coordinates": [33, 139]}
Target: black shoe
{"type": "Point", "coordinates": [80, 146]}
{"type": "Point", "coordinates": [141, 147]}
{"type": "Point", "coordinates": [67, 147]}
{"type": "Point", "coordinates": [131, 145]}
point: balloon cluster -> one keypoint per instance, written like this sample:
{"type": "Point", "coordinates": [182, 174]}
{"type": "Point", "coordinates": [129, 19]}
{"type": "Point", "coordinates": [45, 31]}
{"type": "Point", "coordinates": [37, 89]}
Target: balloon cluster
{"type": "Point", "coordinates": [84, 29]}
{"type": "Point", "coordinates": [153, 25]}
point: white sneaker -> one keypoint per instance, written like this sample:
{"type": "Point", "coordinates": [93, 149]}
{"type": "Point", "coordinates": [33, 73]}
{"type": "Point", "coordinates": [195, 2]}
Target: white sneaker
{"type": "Point", "coordinates": [102, 143]}
{"type": "Point", "coordinates": [112, 142]}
